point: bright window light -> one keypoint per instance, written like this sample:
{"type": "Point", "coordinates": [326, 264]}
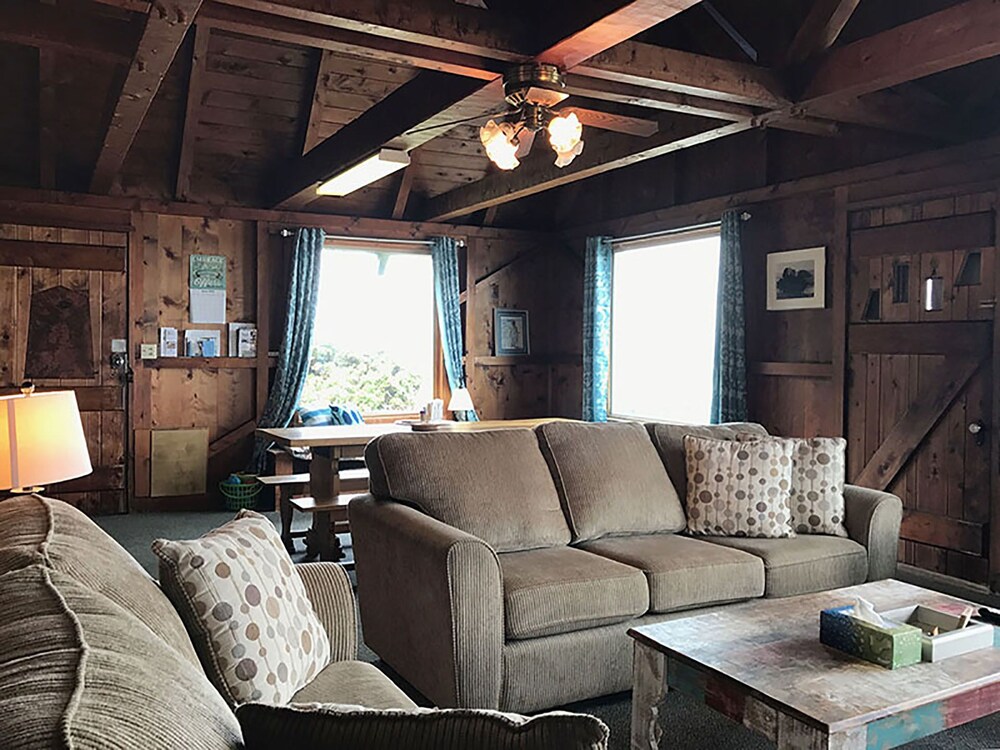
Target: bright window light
{"type": "Point", "coordinates": [663, 329]}
{"type": "Point", "coordinates": [373, 345]}
{"type": "Point", "coordinates": [372, 169]}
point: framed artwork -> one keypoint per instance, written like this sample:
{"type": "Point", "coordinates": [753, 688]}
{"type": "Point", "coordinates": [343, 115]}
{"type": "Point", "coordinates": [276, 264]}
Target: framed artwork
{"type": "Point", "coordinates": [796, 279]}
{"type": "Point", "coordinates": [510, 332]}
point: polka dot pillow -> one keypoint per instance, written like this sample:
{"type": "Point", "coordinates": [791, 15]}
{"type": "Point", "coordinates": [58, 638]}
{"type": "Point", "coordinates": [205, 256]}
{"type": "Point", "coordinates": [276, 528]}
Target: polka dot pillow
{"type": "Point", "coordinates": [816, 497]}
{"type": "Point", "coordinates": [738, 489]}
{"type": "Point", "coordinates": [246, 610]}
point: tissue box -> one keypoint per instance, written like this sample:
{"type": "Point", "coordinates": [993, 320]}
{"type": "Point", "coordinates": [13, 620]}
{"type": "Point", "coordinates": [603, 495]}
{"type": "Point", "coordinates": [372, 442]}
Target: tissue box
{"type": "Point", "coordinates": [951, 640]}
{"type": "Point", "coordinates": [895, 646]}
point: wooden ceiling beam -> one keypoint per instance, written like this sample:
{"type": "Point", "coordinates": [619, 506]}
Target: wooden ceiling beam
{"type": "Point", "coordinates": [434, 23]}
{"type": "Point", "coordinates": [168, 22]}
{"type": "Point", "coordinates": [48, 140]}
{"type": "Point", "coordinates": [429, 104]}
{"type": "Point", "coordinates": [311, 135]}
{"type": "Point", "coordinates": [195, 94]}
{"type": "Point", "coordinates": [686, 73]}
{"type": "Point", "coordinates": [959, 35]}
{"type": "Point", "coordinates": [826, 19]}
{"type": "Point", "coordinates": [603, 152]}
{"type": "Point", "coordinates": [306, 33]}
{"type": "Point", "coordinates": [46, 27]}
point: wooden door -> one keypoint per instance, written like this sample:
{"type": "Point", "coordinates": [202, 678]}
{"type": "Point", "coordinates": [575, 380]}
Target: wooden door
{"type": "Point", "coordinates": [62, 304]}
{"type": "Point", "coordinates": [920, 384]}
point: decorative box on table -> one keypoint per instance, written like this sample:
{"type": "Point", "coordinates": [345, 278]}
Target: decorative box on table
{"type": "Point", "coordinates": [892, 647]}
{"type": "Point", "coordinates": [948, 636]}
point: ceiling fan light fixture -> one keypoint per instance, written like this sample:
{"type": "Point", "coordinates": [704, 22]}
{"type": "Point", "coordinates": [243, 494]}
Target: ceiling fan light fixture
{"type": "Point", "coordinates": [565, 137]}
{"type": "Point", "coordinates": [500, 144]}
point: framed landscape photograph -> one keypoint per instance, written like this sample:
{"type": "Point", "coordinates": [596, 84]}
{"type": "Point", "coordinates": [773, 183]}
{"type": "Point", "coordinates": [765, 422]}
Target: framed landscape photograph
{"type": "Point", "coordinates": [796, 279]}
{"type": "Point", "coordinates": [510, 332]}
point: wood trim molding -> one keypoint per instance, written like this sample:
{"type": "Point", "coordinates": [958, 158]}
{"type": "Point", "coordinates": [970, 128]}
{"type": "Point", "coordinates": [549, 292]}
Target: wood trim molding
{"type": "Point", "coordinates": [40, 254]}
{"type": "Point", "coordinates": [822, 370]}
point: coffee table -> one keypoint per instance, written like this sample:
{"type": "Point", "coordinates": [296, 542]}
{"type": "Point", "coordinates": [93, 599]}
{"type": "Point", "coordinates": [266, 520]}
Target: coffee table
{"type": "Point", "coordinates": [761, 664]}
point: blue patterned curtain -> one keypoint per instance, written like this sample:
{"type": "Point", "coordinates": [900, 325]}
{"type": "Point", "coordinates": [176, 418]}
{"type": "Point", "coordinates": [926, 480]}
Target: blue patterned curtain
{"type": "Point", "coordinates": [729, 382]}
{"type": "Point", "coordinates": [444, 254]}
{"type": "Point", "coordinates": [293, 358]}
{"type": "Point", "coordinates": [596, 328]}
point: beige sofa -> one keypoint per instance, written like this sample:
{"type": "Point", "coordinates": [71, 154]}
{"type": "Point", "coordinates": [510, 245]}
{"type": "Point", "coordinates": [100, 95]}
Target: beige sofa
{"type": "Point", "coordinates": [502, 569]}
{"type": "Point", "coordinates": [93, 655]}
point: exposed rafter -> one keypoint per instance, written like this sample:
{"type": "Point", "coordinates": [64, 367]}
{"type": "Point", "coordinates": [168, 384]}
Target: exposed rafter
{"type": "Point", "coordinates": [168, 22]}
{"type": "Point", "coordinates": [957, 36]}
{"type": "Point", "coordinates": [311, 135]}
{"type": "Point", "coordinates": [195, 93]}
{"type": "Point", "coordinates": [604, 152]}
{"type": "Point", "coordinates": [826, 19]}
{"type": "Point", "coordinates": [466, 99]}
{"type": "Point", "coordinates": [46, 27]}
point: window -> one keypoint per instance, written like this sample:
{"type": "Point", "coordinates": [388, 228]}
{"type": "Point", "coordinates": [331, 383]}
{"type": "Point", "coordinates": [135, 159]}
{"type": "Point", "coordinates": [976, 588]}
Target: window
{"type": "Point", "coordinates": [663, 327]}
{"type": "Point", "coordinates": [373, 345]}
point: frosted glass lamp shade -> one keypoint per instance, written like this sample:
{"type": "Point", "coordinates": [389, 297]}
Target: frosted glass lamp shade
{"type": "Point", "coordinates": [460, 400]}
{"type": "Point", "coordinates": [41, 440]}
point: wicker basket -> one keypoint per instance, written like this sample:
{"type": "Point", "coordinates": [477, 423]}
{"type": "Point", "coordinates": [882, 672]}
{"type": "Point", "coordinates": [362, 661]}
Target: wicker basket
{"type": "Point", "coordinates": [241, 496]}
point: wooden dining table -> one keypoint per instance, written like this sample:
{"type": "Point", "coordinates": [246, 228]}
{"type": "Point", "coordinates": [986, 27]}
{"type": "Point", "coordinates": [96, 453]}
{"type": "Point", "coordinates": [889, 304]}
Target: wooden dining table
{"type": "Point", "coordinates": [329, 444]}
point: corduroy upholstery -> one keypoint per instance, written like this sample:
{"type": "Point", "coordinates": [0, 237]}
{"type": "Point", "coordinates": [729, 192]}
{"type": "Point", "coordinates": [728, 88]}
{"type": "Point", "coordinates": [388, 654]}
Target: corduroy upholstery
{"type": "Point", "coordinates": [669, 442]}
{"type": "Point", "coordinates": [872, 519]}
{"type": "Point", "coordinates": [332, 597]}
{"type": "Point", "coordinates": [78, 670]}
{"type": "Point", "coordinates": [431, 602]}
{"type": "Point", "coordinates": [355, 683]}
{"type": "Point", "coordinates": [684, 572]}
{"type": "Point", "coordinates": [609, 479]}
{"type": "Point", "coordinates": [318, 727]}
{"type": "Point", "coordinates": [39, 530]}
{"type": "Point", "coordinates": [465, 480]}
{"type": "Point", "coordinates": [558, 590]}
{"type": "Point", "coordinates": [804, 564]}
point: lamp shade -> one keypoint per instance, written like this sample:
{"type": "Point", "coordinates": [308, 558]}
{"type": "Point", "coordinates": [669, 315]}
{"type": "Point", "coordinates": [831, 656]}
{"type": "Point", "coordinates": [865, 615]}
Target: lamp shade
{"type": "Point", "coordinates": [460, 400]}
{"type": "Point", "coordinates": [41, 440]}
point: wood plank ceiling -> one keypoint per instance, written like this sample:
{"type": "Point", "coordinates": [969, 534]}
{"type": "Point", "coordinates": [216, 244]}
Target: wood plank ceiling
{"type": "Point", "coordinates": [256, 101]}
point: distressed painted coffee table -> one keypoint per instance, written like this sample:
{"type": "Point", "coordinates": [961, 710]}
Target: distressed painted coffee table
{"type": "Point", "coordinates": [762, 664]}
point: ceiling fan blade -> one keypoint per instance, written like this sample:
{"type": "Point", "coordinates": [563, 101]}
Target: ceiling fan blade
{"type": "Point", "coordinates": [608, 121]}
{"type": "Point", "coordinates": [446, 126]}
{"type": "Point", "coordinates": [524, 140]}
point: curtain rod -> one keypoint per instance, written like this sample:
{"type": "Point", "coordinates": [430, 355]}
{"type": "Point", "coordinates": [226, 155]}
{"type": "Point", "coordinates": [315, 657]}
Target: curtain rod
{"type": "Point", "coordinates": [745, 216]}
{"type": "Point", "coordinates": [373, 240]}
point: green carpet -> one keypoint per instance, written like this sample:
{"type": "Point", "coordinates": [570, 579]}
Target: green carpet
{"type": "Point", "coordinates": [690, 726]}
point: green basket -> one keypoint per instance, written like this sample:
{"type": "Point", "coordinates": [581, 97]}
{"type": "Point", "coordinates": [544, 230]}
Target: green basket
{"type": "Point", "coordinates": [241, 496]}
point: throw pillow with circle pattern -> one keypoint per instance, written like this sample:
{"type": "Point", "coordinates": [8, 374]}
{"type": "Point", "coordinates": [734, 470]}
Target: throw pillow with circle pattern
{"type": "Point", "coordinates": [738, 489]}
{"type": "Point", "coordinates": [246, 610]}
{"type": "Point", "coordinates": [818, 477]}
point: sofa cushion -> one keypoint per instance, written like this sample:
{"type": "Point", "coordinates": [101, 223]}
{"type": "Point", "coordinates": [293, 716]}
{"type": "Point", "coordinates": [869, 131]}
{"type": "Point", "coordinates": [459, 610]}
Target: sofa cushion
{"type": "Point", "coordinates": [561, 589]}
{"type": "Point", "coordinates": [494, 485]}
{"type": "Point", "coordinates": [246, 609]}
{"type": "Point", "coordinates": [322, 727]}
{"type": "Point", "coordinates": [610, 479]}
{"type": "Point", "coordinates": [669, 442]}
{"type": "Point", "coordinates": [805, 564]}
{"type": "Point", "coordinates": [355, 683]}
{"type": "Point", "coordinates": [684, 572]}
{"type": "Point", "coordinates": [78, 670]}
{"type": "Point", "coordinates": [39, 530]}
{"type": "Point", "coordinates": [739, 488]}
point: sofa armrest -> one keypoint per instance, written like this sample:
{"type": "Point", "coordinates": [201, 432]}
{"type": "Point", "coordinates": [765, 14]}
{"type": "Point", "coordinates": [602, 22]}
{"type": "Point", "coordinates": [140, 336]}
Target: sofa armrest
{"type": "Point", "coordinates": [872, 518]}
{"type": "Point", "coordinates": [431, 602]}
{"type": "Point", "coordinates": [332, 597]}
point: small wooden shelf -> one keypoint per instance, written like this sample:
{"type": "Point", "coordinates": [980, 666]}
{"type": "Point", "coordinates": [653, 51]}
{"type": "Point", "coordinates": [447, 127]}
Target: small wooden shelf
{"type": "Point", "coordinates": [528, 359]}
{"type": "Point", "coordinates": [217, 363]}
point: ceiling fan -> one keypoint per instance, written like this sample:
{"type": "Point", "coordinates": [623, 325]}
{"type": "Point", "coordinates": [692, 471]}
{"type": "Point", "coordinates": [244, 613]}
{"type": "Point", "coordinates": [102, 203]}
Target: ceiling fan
{"type": "Point", "coordinates": [532, 92]}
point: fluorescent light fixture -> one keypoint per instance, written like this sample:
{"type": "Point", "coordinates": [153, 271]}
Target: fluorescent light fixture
{"type": "Point", "coordinates": [372, 169]}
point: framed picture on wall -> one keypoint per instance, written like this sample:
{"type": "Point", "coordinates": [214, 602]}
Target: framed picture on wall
{"type": "Point", "coordinates": [796, 279]}
{"type": "Point", "coordinates": [510, 332]}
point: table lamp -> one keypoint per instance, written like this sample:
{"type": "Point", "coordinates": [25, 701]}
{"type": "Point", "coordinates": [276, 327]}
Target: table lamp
{"type": "Point", "coordinates": [41, 440]}
{"type": "Point", "coordinates": [460, 401]}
